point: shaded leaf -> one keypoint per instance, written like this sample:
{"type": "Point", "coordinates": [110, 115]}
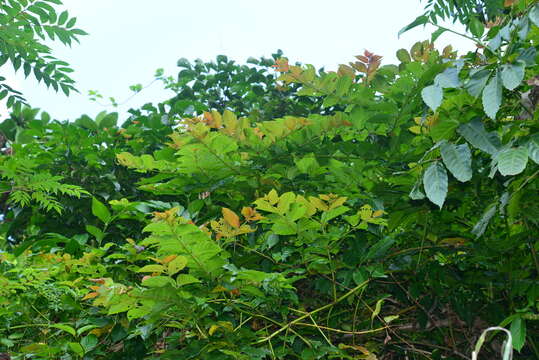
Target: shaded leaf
{"type": "Point", "coordinates": [458, 160]}
{"type": "Point", "coordinates": [518, 332]}
{"type": "Point", "coordinates": [478, 80]}
{"type": "Point", "coordinates": [474, 132]}
{"type": "Point", "coordinates": [100, 211]}
{"type": "Point", "coordinates": [480, 227]}
{"type": "Point", "coordinates": [435, 183]}
{"type": "Point", "coordinates": [492, 96]}
{"type": "Point", "coordinates": [533, 148]}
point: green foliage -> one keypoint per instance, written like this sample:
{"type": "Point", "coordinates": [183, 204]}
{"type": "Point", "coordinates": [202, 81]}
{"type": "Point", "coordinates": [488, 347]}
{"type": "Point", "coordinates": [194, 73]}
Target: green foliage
{"type": "Point", "coordinates": [25, 27]}
{"type": "Point", "coordinates": [286, 222]}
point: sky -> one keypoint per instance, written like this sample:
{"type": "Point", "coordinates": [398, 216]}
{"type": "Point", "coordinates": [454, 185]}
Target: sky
{"type": "Point", "coordinates": [129, 39]}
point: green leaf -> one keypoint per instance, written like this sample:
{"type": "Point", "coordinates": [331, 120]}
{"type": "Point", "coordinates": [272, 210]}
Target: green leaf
{"type": "Point", "coordinates": [480, 227]}
{"type": "Point", "coordinates": [152, 268]}
{"type": "Point", "coordinates": [518, 332]}
{"type": "Point", "coordinates": [533, 148]}
{"type": "Point", "coordinates": [534, 15]}
{"type": "Point", "coordinates": [71, 22]}
{"type": "Point", "coordinates": [458, 160]}
{"type": "Point", "coordinates": [157, 281]}
{"type": "Point", "coordinates": [380, 248]}
{"type": "Point", "coordinates": [476, 83]}
{"type": "Point", "coordinates": [119, 307]}
{"type": "Point", "coordinates": [377, 309]}
{"type": "Point", "coordinates": [421, 20]}
{"type": "Point", "coordinates": [435, 183]}
{"type": "Point", "coordinates": [492, 96]}
{"type": "Point", "coordinates": [474, 132]}
{"type": "Point", "coordinates": [476, 27]}
{"type": "Point", "coordinates": [284, 227]}
{"type": "Point", "coordinates": [96, 232]}
{"type": "Point", "coordinates": [404, 56]}
{"type": "Point", "coordinates": [65, 328]}
{"type": "Point", "coordinates": [513, 74]}
{"type": "Point", "coordinates": [76, 348]}
{"type": "Point", "coordinates": [100, 211]}
{"type": "Point", "coordinates": [432, 96]}
{"type": "Point", "coordinates": [512, 161]}
{"type": "Point", "coordinates": [176, 265]}
{"type": "Point", "coordinates": [62, 18]}
{"type": "Point", "coordinates": [89, 342]}
{"type": "Point", "coordinates": [436, 34]}
{"type": "Point", "coordinates": [186, 279]}
{"type": "Point", "coordinates": [443, 129]}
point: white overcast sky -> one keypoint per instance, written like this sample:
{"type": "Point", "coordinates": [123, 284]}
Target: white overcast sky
{"type": "Point", "coordinates": [130, 39]}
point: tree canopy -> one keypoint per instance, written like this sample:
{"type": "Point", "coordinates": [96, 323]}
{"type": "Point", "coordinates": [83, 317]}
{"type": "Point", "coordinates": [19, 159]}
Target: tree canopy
{"type": "Point", "coordinates": [272, 210]}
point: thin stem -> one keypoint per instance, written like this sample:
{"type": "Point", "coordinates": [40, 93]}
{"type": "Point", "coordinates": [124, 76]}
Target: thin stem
{"type": "Point", "coordinates": [327, 306]}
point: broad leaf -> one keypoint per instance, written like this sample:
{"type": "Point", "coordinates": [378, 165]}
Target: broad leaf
{"type": "Point", "coordinates": [435, 183]}
{"type": "Point", "coordinates": [534, 15]}
{"type": "Point", "coordinates": [492, 96]}
{"type": "Point", "coordinates": [65, 328]}
{"type": "Point", "coordinates": [533, 148]}
{"type": "Point", "coordinates": [480, 227]}
{"type": "Point", "coordinates": [100, 210]}
{"type": "Point", "coordinates": [458, 160]}
{"type": "Point", "coordinates": [432, 96]}
{"type": "Point", "coordinates": [476, 83]}
{"type": "Point", "coordinates": [474, 132]}
{"type": "Point", "coordinates": [512, 161]}
{"type": "Point", "coordinates": [512, 74]}
{"type": "Point", "coordinates": [518, 332]}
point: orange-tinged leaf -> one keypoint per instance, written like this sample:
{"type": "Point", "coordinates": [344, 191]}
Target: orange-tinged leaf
{"type": "Point", "coordinates": [378, 213]}
{"type": "Point", "coordinates": [99, 281]}
{"type": "Point", "coordinates": [168, 259]}
{"type": "Point", "coordinates": [251, 214]}
{"type": "Point", "coordinates": [231, 218]}
{"type": "Point", "coordinates": [90, 295]}
{"type": "Point", "coordinates": [362, 58]}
